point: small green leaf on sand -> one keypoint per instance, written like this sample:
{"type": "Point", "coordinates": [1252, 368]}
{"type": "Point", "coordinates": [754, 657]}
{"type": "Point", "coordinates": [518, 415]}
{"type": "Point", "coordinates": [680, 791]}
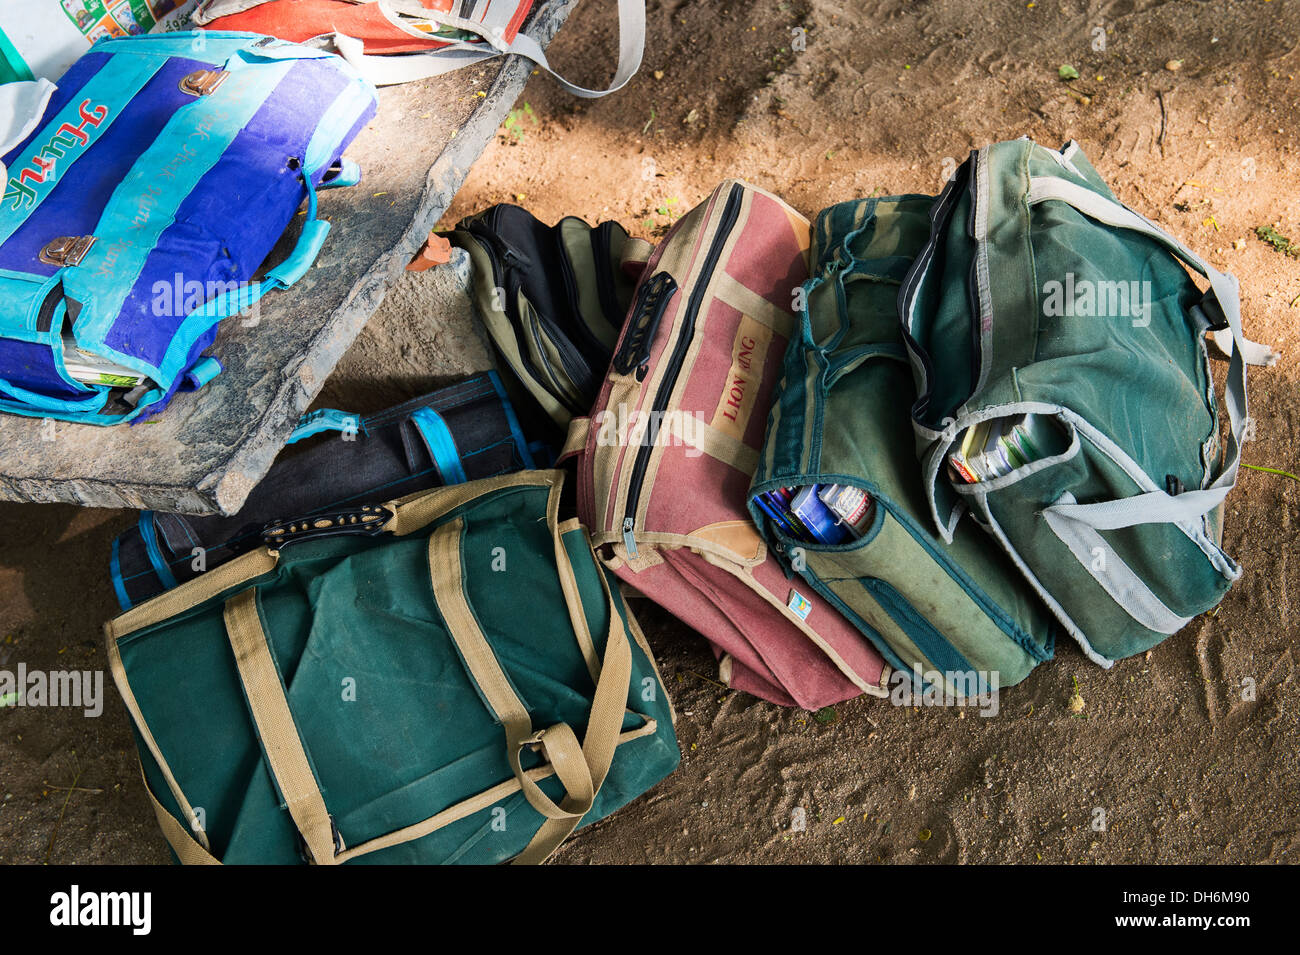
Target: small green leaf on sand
{"type": "Point", "coordinates": [9, 699]}
{"type": "Point", "coordinates": [924, 835]}
{"type": "Point", "coordinates": [1278, 241]}
{"type": "Point", "coordinates": [826, 715]}
{"type": "Point", "coordinates": [1067, 72]}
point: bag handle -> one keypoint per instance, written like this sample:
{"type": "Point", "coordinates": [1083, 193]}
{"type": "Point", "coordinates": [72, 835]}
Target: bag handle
{"type": "Point", "coordinates": [286, 758]}
{"type": "Point", "coordinates": [326, 419]}
{"type": "Point", "coordinates": [389, 69]}
{"type": "Point", "coordinates": [1159, 507]}
{"type": "Point", "coordinates": [1124, 585]}
{"type": "Point", "coordinates": [580, 768]}
{"type": "Point", "coordinates": [575, 440]}
{"type": "Point", "coordinates": [282, 747]}
{"type": "Point", "coordinates": [441, 444]}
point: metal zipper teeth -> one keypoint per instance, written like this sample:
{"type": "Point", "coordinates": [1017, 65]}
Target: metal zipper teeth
{"type": "Point", "coordinates": [730, 213]}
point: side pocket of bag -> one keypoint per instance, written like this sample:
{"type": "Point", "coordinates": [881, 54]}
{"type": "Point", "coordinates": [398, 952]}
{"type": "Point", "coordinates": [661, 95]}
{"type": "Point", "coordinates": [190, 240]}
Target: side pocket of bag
{"type": "Point", "coordinates": [1116, 591]}
{"type": "Point", "coordinates": [917, 601]}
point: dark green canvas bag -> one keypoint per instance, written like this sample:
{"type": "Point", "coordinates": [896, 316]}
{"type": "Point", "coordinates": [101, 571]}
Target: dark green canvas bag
{"type": "Point", "coordinates": [841, 417]}
{"type": "Point", "coordinates": [1039, 293]}
{"type": "Point", "coordinates": [412, 690]}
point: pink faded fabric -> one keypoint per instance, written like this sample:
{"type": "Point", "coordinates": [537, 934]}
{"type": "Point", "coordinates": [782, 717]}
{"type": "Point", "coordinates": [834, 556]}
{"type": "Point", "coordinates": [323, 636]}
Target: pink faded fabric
{"type": "Point", "coordinates": [739, 605]}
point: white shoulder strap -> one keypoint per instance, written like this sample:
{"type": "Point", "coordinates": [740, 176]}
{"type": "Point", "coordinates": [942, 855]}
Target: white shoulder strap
{"type": "Point", "coordinates": [391, 69]}
{"type": "Point", "coordinates": [1156, 507]}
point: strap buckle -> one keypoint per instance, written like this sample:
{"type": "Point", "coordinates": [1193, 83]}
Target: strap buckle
{"type": "Point", "coordinates": [203, 82]}
{"type": "Point", "coordinates": [305, 854]}
{"type": "Point", "coordinates": [1209, 305]}
{"type": "Point", "coordinates": [66, 250]}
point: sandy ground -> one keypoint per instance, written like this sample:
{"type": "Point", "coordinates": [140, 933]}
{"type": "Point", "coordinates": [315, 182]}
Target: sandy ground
{"type": "Point", "coordinates": [883, 98]}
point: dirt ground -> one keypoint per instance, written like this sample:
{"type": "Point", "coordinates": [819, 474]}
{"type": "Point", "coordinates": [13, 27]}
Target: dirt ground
{"type": "Point", "coordinates": [1189, 109]}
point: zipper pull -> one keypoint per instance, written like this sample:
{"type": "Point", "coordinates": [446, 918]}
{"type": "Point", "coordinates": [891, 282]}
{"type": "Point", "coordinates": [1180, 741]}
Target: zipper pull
{"type": "Point", "coordinates": [629, 542]}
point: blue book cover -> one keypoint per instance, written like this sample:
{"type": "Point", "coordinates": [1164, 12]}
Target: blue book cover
{"type": "Point", "coordinates": [813, 513]}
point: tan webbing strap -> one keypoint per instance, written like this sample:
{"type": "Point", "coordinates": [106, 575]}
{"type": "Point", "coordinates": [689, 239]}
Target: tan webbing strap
{"type": "Point", "coordinates": [603, 725]}
{"type": "Point", "coordinates": [468, 807]}
{"type": "Point", "coordinates": [133, 708]}
{"type": "Point", "coordinates": [461, 810]}
{"type": "Point", "coordinates": [716, 444]}
{"type": "Point", "coordinates": [572, 599]}
{"type": "Point", "coordinates": [183, 843]}
{"type": "Point", "coordinates": [421, 509]}
{"type": "Point", "coordinates": [285, 756]}
{"type": "Point", "coordinates": [576, 438]}
{"type": "Point", "coordinates": [447, 577]}
{"type": "Point", "coordinates": [581, 770]}
{"type": "Point", "coordinates": [560, 746]}
{"type": "Point", "coordinates": [193, 592]}
{"type": "Point", "coordinates": [638, 635]}
{"type": "Point", "coordinates": [748, 302]}
{"type": "Point", "coordinates": [636, 252]}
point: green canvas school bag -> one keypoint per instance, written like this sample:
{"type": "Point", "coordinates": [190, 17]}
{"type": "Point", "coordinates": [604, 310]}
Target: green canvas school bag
{"type": "Point", "coordinates": [956, 608]}
{"type": "Point", "coordinates": [1038, 292]}
{"type": "Point", "coordinates": [410, 683]}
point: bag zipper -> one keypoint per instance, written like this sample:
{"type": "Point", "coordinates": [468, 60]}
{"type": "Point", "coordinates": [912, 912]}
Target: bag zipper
{"type": "Point", "coordinates": [730, 212]}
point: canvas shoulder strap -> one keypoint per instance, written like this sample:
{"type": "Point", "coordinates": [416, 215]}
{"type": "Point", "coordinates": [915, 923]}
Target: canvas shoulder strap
{"type": "Point", "coordinates": [393, 69]}
{"type": "Point", "coordinates": [1158, 506]}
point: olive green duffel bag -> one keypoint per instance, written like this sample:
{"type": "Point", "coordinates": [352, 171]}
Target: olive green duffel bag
{"type": "Point", "coordinates": [957, 613]}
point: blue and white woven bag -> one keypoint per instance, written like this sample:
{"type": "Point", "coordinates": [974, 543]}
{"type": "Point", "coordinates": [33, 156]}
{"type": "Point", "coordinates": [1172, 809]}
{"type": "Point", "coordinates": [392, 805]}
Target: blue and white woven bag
{"type": "Point", "coordinates": [136, 214]}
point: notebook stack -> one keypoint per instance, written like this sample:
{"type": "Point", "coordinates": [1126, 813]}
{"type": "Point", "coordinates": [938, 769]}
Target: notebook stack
{"type": "Point", "coordinates": [997, 446]}
{"type": "Point", "coordinates": [819, 513]}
